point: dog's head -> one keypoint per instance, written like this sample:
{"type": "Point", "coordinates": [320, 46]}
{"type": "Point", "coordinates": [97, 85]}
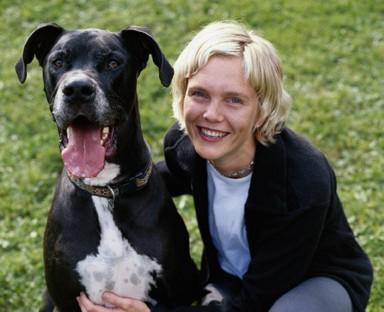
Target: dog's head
{"type": "Point", "coordinates": [90, 83]}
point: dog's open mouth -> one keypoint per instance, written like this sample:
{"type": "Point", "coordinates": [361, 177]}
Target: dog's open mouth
{"type": "Point", "coordinates": [85, 147]}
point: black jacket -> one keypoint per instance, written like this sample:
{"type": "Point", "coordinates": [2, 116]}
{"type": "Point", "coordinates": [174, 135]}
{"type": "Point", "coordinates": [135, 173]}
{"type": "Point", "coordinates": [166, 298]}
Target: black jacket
{"type": "Point", "coordinates": [295, 222]}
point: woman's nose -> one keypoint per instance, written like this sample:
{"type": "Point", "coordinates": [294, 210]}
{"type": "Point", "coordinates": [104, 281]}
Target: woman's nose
{"type": "Point", "coordinates": [213, 112]}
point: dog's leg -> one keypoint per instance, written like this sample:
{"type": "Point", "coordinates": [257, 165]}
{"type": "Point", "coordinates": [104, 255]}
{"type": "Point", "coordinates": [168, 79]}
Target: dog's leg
{"type": "Point", "coordinates": [48, 305]}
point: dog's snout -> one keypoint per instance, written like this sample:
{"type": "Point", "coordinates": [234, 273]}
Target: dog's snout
{"type": "Point", "coordinates": [79, 91]}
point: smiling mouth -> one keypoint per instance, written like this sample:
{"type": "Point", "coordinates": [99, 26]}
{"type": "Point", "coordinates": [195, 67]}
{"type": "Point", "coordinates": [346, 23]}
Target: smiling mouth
{"type": "Point", "coordinates": [85, 147]}
{"type": "Point", "coordinates": [212, 134]}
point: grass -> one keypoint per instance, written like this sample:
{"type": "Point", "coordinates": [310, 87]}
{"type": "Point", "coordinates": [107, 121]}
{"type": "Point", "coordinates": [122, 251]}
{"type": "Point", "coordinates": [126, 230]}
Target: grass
{"type": "Point", "coordinates": [332, 53]}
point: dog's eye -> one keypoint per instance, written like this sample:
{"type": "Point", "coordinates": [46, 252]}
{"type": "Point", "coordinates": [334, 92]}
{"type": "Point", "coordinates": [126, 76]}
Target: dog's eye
{"type": "Point", "coordinates": [112, 64]}
{"type": "Point", "coordinates": [58, 63]}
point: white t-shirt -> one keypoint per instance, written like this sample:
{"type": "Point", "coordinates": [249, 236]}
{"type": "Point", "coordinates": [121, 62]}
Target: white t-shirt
{"type": "Point", "coordinates": [226, 200]}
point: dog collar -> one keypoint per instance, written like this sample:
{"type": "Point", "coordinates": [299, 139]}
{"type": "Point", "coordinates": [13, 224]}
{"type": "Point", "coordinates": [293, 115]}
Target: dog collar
{"type": "Point", "coordinates": [133, 184]}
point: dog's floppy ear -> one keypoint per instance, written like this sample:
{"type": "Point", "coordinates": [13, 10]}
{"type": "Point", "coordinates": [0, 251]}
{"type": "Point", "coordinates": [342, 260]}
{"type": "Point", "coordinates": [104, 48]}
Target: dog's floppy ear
{"type": "Point", "coordinates": [39, 42]}
{"type": "Point", "coordinates": [140, 37]}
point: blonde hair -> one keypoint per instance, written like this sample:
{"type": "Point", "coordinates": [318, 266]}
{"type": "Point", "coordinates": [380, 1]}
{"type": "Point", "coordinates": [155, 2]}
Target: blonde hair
{"type": "Point", "coordinates": [262, 68]}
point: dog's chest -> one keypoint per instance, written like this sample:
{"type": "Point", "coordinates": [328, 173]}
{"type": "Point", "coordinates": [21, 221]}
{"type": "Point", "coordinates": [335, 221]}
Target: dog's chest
{"type": "Point", "coordinates": [116, 267]}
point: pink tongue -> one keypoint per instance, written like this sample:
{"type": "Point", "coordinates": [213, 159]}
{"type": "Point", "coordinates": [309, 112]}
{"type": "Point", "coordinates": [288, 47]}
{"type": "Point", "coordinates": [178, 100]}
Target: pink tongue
{"type": "Point", "coordinates": [84, 155]}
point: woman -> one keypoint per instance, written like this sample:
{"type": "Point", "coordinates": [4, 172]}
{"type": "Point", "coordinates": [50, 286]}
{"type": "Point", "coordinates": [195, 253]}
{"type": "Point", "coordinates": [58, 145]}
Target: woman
{"type": "Point", "coordinates": [274, 231]}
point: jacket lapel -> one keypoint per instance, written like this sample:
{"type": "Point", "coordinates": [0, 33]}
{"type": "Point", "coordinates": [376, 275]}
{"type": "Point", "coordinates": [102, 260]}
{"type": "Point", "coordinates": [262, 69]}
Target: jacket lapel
{"type": "Point", "coordinates": [201, 198]}
{"type": "Point", "coordinates": [268, 187]}
{"type": "Point", "coordinates": [267, 195]}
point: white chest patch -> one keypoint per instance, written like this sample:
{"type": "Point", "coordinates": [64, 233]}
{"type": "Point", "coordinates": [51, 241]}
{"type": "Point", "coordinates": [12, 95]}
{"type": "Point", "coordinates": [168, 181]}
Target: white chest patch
{"type": "Point", "coordinates": [116, 267]}
{"type": "Point", "coordinates": [109, 172]}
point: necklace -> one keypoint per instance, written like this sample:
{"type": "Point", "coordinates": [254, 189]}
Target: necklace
{"type": "Point", "coordinates": [238, 173]}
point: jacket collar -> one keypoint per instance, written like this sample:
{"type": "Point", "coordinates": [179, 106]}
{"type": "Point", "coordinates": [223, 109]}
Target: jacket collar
{"type": "Point", "coordinates": [268, 189]}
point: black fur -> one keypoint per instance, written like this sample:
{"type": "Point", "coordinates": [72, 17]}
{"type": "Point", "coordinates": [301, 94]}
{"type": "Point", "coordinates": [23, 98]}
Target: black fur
{"type": "Point", "coordinates": [148, 217]}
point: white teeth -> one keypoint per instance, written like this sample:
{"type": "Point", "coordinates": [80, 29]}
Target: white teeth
{"type": "Point", "coordinates": [105, 132]}
{"type": "Point", "coordinates": [69, 132]}
{"type": "Point", "coordinates": [213, 134]}
{"type": "Point", "coordinates": [104, 135]}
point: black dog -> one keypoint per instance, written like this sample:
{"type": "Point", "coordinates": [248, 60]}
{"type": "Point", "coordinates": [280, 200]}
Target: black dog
{"type": "Point", "coordinates": [112, 225]}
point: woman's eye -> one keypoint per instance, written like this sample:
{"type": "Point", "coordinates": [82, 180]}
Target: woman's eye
{"type": "Point", "coordinates": [235, 100]}
{"type": "Point", "coordinates": [112, 64]}
{"type": "Point", "coordinates": [198, 94]}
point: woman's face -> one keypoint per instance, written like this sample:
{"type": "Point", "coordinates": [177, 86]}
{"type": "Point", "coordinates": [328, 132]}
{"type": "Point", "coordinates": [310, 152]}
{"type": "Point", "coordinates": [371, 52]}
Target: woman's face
{"type": "Point", "coordinates": [220, 111]}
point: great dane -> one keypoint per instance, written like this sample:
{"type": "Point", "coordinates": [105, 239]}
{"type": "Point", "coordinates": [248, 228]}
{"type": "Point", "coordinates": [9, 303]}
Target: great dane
{"type": "Point", "coordinates": [112, 225]}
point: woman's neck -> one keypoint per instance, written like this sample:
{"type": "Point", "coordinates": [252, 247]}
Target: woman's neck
{"type": "Point", "coordinates": [236, 168]}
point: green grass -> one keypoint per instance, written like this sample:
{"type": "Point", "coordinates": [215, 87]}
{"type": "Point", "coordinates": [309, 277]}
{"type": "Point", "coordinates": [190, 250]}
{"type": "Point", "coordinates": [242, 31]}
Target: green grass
{"type": "Point", "coordinates": [333, 59]}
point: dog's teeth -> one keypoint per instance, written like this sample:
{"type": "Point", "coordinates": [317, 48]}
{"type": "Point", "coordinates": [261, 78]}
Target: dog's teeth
{"type": "Point", "coordinates": [69, 132]}
{"type": "Point", "coordinates": [105, 130]}
{"type": "Point", "coordinates": [104, 135]}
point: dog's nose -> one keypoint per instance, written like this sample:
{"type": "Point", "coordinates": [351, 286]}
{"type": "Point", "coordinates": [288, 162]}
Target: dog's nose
{"type": "Point", "coordinates": [79, 91]}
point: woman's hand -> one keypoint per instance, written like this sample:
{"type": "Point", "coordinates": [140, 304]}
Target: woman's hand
{"type": "Point", "coordinates": [121, 304]}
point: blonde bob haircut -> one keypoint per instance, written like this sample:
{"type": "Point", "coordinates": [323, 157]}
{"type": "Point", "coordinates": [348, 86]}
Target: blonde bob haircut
{"type": "Point", "coordinates": [262, 68]}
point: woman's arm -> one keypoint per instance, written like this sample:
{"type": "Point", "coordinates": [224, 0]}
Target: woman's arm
{"type": "Point", "coordinates": [177, 183]}
{"type": "Point", "coordinates": [122, 304]}
{"type": "Point", "coordinates": [178, 157]}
